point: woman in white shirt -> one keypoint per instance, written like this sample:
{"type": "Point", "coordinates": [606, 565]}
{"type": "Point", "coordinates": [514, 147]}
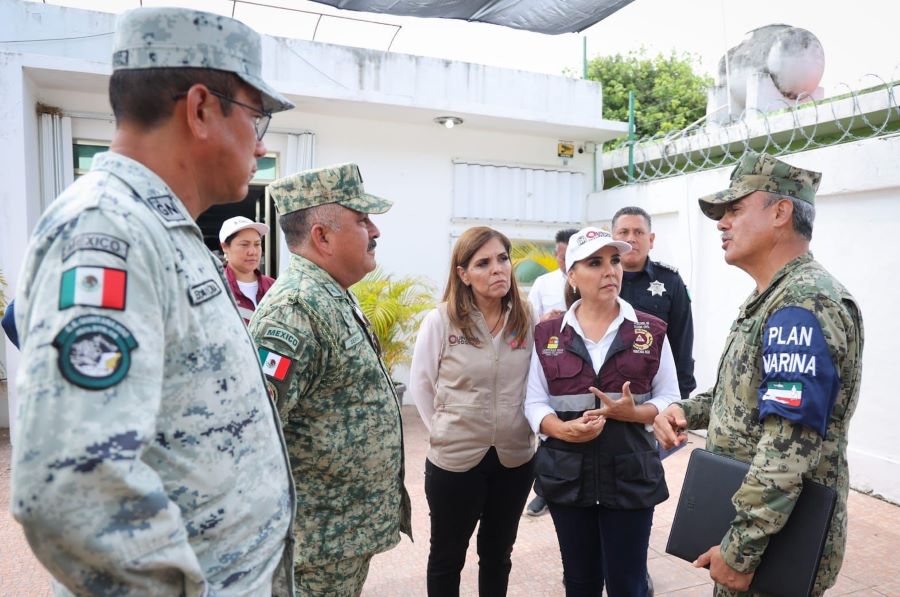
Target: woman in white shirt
{"type": "Point", "coordinates": [241, 241]}
{"type": "Point", "coordinates": [468, 378]}
{"type": "Point", "coordinates": [599, 375]}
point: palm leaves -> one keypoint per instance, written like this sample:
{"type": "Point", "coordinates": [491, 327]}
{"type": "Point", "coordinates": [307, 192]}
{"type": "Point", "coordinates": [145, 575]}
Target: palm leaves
{"type": "Point", "coordinates": [394, 307]}
{"type": "Point", "coordinates": [531, 260]}
{"type": "Point", "coordinates": [2, 295]}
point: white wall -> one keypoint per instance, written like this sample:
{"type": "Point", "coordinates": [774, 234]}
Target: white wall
{"type": "Point", "coordinates": [409, 163]}
{"type": "Point", "coordinates": [857, 215]}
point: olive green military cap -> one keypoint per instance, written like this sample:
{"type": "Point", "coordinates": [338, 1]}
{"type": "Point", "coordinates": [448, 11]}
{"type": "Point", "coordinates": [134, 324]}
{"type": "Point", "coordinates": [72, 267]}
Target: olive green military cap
{"type": "Point", "coordinates": [762, 172]}
{"type": "Point", "coordinates": [185, 38]}
{"type": "Point", "coordinates": [340, 184]}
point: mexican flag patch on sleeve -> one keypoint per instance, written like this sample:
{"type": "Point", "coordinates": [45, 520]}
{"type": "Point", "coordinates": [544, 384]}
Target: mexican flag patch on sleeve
{"type": "Point", "coordinates": [273, 364]}
{"type": "Point", "coordinates": [789, 393]}
{"type": "Point", "coordinates": [92, 286]}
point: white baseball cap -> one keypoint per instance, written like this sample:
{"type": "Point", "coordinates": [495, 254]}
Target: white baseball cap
{"type": "Point", "coordinates": [588, 241]}
{"type": "Point", "coordinates": [233, 225]}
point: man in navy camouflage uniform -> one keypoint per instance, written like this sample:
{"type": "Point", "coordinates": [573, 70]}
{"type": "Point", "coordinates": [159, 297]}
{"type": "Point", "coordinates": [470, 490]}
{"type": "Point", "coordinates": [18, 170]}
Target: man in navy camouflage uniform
{"type": "Point", "coordinates": [788, 381]}
{"type": "Point", "coordinates": [148, 459]}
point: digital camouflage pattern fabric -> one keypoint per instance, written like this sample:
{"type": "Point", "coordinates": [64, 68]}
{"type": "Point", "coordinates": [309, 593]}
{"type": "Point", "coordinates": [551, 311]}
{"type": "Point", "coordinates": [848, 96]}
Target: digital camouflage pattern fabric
{"type": "Point", "coordinates": [148, 459]}
{"type": "Point", "coordinates": [781, 451]}
{"type": "Point", "coordinates": [762, 172]}
{"type": "Point", "coordinates": [340, 413]}
{"type": "Point", "coordinates": [341, 184]}
{"type": "Point", "coordinates": [181, 37]}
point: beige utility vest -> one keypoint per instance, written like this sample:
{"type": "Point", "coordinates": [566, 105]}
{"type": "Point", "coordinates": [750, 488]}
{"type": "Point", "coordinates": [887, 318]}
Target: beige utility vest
{"type": "Point", "coordinates": [479, 399]}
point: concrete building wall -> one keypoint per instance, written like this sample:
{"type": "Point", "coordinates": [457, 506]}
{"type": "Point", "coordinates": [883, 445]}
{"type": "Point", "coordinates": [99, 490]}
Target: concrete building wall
{"type": "Point", "coordinates": [374, 108]}
{"type": "Point", "coordinates": [857, 211]}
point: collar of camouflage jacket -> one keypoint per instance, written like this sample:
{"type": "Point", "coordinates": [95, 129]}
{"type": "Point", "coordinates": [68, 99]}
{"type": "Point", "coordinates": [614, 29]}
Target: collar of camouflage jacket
{"type": "Point", "coordinates": [148, 186]}
{"type": "Point", "coordinates": [757, 298]}
{"type": "Point", "coordinates": [317, 273]}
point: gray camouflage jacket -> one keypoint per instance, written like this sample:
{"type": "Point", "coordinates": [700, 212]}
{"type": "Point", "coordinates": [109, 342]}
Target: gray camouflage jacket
{"type": "Point", "coordinates": [148, 458]}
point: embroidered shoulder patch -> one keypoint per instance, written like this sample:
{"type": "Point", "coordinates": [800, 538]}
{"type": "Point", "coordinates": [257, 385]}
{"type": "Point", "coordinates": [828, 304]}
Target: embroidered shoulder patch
{"type": "Point", "coordinates": [96, 241]}
{"type": "Point", "coordinates": [93, 286]}
{"type": "Point", "coordinates": [283, 335]}
{"type": "Point", "coordinates": [164, 206]}
{"type": "Point", "coordinates": [202, 292]}
{"type": "Point", "coordinates": [94, 351]}
{"type": "Point", "coordinates": [273, 364]}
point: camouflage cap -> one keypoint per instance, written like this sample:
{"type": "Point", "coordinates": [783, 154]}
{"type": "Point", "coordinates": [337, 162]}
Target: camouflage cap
{"type": "Point", "coordinates": [341, 184]}
{"type": "Point", "coordinates": [762, 172]}
{"type": "Point", "coordinates": [185, 38]}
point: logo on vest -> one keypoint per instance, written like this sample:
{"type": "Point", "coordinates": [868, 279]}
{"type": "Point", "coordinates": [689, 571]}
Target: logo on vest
{"type": "Point", "coordinates": [454, 340]}
{"type": "Point", "coordinates": [517, 343]}
{"type": "Point", "coordinates": [552, 348]}
{"type": "Point", "coordinates": [643, 339]}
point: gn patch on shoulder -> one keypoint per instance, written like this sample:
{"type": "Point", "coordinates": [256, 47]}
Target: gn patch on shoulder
{"type": "Point", "coordinates": [93, 286]}
{"type": "Point", "coordinates": [94, 351]}
{"type": "Point", "coordinates": [202, 292]}
{"type": "Point", "coordinates": [165, 208]}
{"type": "Point", "coordinates": [95, 241]}
{"type": "Point", "coordinates": [273, 364]}
{"type": "Point", "coordinates": [282, 335]}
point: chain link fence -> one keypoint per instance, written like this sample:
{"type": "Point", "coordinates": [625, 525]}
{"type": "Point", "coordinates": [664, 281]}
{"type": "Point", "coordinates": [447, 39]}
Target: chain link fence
{"type": "Point", "coordinates": [801, 125]}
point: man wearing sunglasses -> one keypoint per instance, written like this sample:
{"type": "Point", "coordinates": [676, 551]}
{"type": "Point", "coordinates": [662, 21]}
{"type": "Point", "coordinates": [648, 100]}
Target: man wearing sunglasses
{"type": "Point", "coordinates": [148, 458]}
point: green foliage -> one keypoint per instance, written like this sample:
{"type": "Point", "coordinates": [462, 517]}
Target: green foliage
{"type": "Point", "coordinates": [531, 260]}
{"type": "Point", "coordinates": [395, 308]}
{"type": "Point", "coordinates": [669, 95]}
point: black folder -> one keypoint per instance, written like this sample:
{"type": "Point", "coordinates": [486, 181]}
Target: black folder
{"type": "Point", "coordinates": [791, 560]}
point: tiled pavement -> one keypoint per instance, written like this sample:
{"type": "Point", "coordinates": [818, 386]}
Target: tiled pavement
{"type": "Point", "coordinates": [870, 567]}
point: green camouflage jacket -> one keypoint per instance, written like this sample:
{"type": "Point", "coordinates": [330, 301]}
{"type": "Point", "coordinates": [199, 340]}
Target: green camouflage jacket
{"type": "Point", "coordinates": [771, 366]}
{"type": "Point", "coordinates": [340, 413]}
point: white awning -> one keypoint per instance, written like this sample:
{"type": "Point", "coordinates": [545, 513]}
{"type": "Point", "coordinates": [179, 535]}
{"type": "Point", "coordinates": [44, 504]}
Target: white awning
{"type": "Point", "coordinates": [542, 16]}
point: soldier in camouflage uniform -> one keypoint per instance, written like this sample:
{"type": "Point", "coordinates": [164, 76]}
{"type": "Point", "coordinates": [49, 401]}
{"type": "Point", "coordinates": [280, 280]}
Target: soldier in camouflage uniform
{"type": "Point", "coordinates": [788, 381]}
{"type": "Point", "coordinates": [337, 401]}
{"type": "Point", "coordinates": [148, 459]}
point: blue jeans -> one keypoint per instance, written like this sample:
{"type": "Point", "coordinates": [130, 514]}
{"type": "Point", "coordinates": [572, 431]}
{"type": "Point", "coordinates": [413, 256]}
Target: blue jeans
{"type": "Point", "coordinates": [602, 546]}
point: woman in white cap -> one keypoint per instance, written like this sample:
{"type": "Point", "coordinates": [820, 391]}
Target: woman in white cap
{"type": "Point", "coordinates": [241, 240]}
{"type": "Point", "coordinates": [468, 379]}
{"type": "Point", "coordinates": [599, 375]}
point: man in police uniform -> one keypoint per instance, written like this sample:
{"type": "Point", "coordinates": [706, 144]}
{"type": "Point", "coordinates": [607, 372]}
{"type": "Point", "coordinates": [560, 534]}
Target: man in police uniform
{"type": "Point", "coordinates": [148, 459]}
{"type": "Point", "coordinates": [337, 401]}
{"type": "Point", "coordinates": [656, 288]}
{"type": "Point", "coordinates": [788, 381]}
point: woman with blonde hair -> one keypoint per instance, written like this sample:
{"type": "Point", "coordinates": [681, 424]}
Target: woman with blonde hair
{"type": "Point", "coordinates": [468, 378]}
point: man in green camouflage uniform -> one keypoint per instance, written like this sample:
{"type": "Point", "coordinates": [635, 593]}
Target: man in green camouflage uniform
{"type": "Point", "coordinates": [340, 412]}
{"type": "Point", "coordinates": [148, 459]}
{"type": "Point", "coordinates": [788, 381]}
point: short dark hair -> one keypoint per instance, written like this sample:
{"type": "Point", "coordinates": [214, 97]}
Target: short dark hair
{"type": "Point", "coordinates": [563, 236]}
{"type": "Point", "coordinates": [145, 96]}
{"type": "Point", "coordinates": [297, 225]}
{"type": "Point", "coordinates": [632, 210]}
